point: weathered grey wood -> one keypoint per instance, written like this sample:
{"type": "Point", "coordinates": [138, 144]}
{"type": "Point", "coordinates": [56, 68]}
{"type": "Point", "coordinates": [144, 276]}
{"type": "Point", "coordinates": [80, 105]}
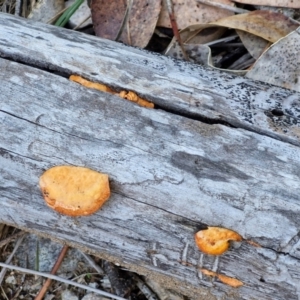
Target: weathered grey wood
{"type": "Point", "coordinates": [169, 175]}
{"type": "Point", "coordinates": [184, 88]}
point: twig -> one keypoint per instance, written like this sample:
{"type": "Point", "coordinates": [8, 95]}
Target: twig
{"type": "Point", "coordinates": [18, 8]}
{"type": "Point", "coordinates": [53, 271]}
{"type": "Point", "coordinates": [3, 292]}
{"type": "Point", "coordinates": [120, 280]}
{"type": "Point", "coordinates": [173, 21]}
{"type": "Point", "coordinates": [224, 6]}
{"type": "Point", "coordinates": [144, 288]}
{"type": "Point", "coordinates": [10, 238]}
{"type": "Point", "coordinates": [70, 282]}
{"type": "Point", "coordinates": [3, 271]}
{"type": "Point", "coordinates": [92, 263]}
{"type": "Point", "coordinates": [222, 40]}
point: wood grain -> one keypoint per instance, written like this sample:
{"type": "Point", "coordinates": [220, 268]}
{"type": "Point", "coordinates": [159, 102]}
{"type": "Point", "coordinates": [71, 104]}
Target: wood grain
{"type": "Point", "coordinates": [170, 175]}
{"type": "Point", "coordinates": [182, 88]}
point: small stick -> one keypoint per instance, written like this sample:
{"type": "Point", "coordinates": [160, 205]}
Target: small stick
{"type": "Point", "coordinates": [176, 33]}
{"type": "Point", "coordinates": [92, 263]}
{"type": "Point", "coordinates": [70, 282]}
{"type": "Point", "coordinates": [53, 271]}
{"type": "Point", "coordinates": [10, 238]}
{"type": "Point", "coordinates": [3, 271]}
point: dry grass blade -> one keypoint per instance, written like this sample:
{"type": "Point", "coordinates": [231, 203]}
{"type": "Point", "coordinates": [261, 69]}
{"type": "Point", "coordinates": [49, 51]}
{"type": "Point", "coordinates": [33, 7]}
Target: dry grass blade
{"type": "Point", "coordinates": [53, 271]}
{"type": "Point", "coordinates": [70, 282]}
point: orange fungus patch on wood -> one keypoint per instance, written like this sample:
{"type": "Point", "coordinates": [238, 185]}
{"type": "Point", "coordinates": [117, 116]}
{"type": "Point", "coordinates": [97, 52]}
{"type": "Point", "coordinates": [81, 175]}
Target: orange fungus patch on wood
{"type": "Point", "coordinates": [225, 279]}
{"type": "Point", "coordinates": [215, 240]}
{"type": "Point", "coordinates": [131, 96]}
{"type": "Point", "coordinates": [74, 191]}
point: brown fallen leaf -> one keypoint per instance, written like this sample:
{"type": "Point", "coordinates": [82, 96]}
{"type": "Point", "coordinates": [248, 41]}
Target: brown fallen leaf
{"type": "Point", "coordinates": [257, 30]}
{"type": "Point", "coordinates": [215, 240]}
{"type": "Point", "coordinates": [107, 17]}
{"type": "Point", "coordinates": [131, 96]}
{"type": "Point", "coordinates": [277, 3]}
{"type": "Point", "coordinates": [254, 44]}
{"type": "Point", "coordinates": [280, 64]}
{"type": "Point", "coordinates": [233, 282]}
{"type": "Point", "coordinates": [131, 22]}
{"type": "Point", "coordinates": [188, 12]}
{"type": "Point", "coordinates": [268, 25]}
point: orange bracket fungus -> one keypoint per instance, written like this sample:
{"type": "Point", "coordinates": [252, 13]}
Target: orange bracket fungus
{"type": "Point", "coordinates": [74, 191]}
{"type": "Point", "coordinates": [215, 240]}
{"type": "Point", "coordinates": [225, 279]}
{"type": "Point", "coordinates": [131, 96]}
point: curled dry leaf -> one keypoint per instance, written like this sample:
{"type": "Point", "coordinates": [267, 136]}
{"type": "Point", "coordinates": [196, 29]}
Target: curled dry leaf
{"type": "Point", "coordinates": [131, 96]}
{"type": "Point", "coordinates": [215, 240]}
{"type": "Point", "coordinates": [74, 191]}
{"type": "Point", "coordinates": [225, 279]}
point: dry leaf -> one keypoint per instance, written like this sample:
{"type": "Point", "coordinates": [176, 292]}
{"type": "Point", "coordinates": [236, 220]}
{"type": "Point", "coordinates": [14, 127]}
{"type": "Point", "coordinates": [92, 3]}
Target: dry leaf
{"type": "Point", "coordinates": [277, 3]}
{"type": "Point", "coordinates": [255, 29]}
{"type": "Point", "coordinates": [133, 26]}
{"type": "Point", "coordinates": [268, 25]}
{"type": "Point", "coordinates": [215, 240]}
{"type": "Point", "coordinates": [107, 17]}
{"type": "Point", "coordinates": [188, 12]}
{"type": "Point", "coordinates": [254, 44]}
{"type": "Point", "coordinates": [280, 64]}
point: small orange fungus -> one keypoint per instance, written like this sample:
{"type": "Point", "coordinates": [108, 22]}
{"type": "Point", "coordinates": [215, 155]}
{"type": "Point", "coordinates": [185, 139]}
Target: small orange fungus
{"type": "Point", "coordinates": [91, 85]}
{"type": "Point", "coordinates": [131, 96]}
{"type": "Point", "coordinates": [252, 243]}
{"type": "Point", "coordinates": [225, 279]}
{"type": "Point", "coordinates": [215, 240]}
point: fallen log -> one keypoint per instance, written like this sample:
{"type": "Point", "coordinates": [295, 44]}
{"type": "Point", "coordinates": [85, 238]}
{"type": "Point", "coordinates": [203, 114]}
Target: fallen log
{"type": "Point", "coordinates": [218, 150]}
